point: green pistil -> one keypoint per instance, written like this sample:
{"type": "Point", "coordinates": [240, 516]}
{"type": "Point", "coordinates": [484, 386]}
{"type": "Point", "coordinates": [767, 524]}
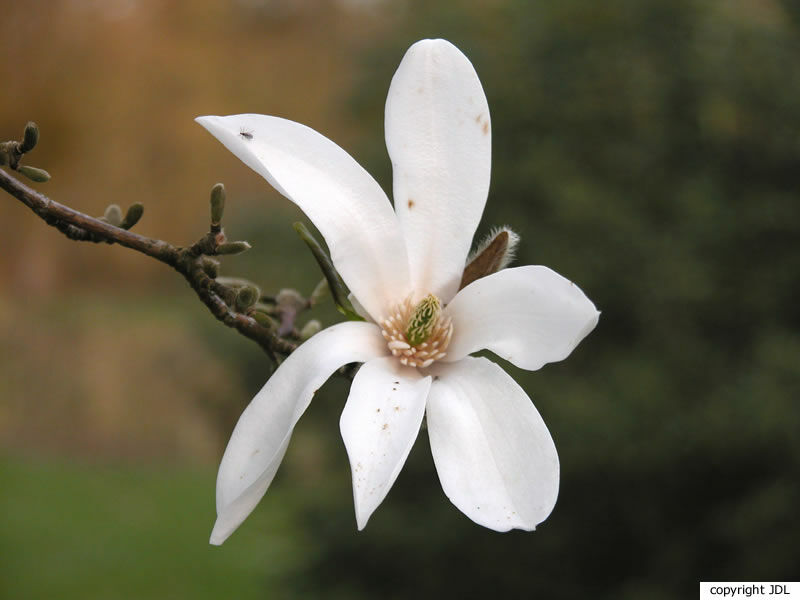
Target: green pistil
{"type": "Point", "coordinates": [423, 320]}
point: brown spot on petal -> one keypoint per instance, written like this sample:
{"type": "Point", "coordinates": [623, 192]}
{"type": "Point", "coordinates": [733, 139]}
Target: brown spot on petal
{"type": "Point", "coordinates": [486, 129]}
{"type": "Point", "coordinates": [410, 204]}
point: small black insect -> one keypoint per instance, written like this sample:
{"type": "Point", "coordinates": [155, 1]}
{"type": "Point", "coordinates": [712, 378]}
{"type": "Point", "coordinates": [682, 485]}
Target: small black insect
{"type": "Point", "coordinates": [246, 134]}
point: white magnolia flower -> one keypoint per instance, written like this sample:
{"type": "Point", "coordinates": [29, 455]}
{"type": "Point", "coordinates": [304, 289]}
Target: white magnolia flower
{"type": "Point", "coordinates": [494, 455]}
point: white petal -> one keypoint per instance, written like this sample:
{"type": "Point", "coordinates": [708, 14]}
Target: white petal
{"type": "Point", "coordinates": [529, 316]}
{"type": "Point", "coordinates": [379, 424]}
{"type": "Point", "coordinates": [342, 200]}
{"type": "Point", "coordinates": [494, 455]}
{"type": "Point", "coordinates": [438, 135]}
{"type": "Point", "coordinates": [261, 436]}
{"type": "Point", "coordinates": [360, 310]}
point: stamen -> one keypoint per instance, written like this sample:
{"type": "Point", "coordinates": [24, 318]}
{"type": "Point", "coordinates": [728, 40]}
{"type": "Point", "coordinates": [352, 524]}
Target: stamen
{"type": "Point", "coordinates": [418, 334]}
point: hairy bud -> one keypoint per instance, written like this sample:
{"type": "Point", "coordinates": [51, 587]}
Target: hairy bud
{"type": "Point", "coordinates": [494, 253]}
{"type": "Point", "coordinates": [113, 214]}
{"type": "Point", "coordinates": [289, 298]}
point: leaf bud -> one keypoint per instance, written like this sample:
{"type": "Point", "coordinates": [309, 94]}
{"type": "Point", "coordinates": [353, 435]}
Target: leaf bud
{"type": "Point", "coordinates": [34, 174]}
{"type": "Point", "coordinates": [245, 297]}
{"type": "Point", "coordinates": [217, 203]}
{"type": "Point", "coordinates": [133, 215]}
{"type": "Point", "coordinates": [264, 319]}
{"type": "Point", "coordinates": [29, 138]}
{"type": "Point", "coordinates": [309, 329]}
{"type": "Point", "coordinates": [4, 154]}
{"type": "Point", "coordinates": [233, 248]}
{"type": "Point", "coordinates": [210, 266]}
{"type": "Point", "coordinates": [320, 292]}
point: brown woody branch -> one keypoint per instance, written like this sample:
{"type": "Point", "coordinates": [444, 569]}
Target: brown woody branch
{"type": "Point", "coordinates": [192, 262]}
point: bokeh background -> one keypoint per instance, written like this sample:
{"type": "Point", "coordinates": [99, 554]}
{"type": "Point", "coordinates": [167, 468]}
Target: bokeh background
{"type": "Point", "coordinates": [648, 150]}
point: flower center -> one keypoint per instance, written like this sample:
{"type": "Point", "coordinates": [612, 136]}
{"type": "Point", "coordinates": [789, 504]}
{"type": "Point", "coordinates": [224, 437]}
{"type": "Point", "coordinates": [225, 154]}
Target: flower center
{"type": "Point", "coordinates": [418, 334]}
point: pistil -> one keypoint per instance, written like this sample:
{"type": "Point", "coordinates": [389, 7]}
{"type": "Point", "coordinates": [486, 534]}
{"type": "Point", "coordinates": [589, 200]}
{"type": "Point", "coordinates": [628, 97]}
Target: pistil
{"type": "Point", "coordinates": [418, 334]}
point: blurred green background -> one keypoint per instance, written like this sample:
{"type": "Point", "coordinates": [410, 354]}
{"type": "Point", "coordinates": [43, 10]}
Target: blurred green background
{"type": "Point", "coordinates": [647, 149]}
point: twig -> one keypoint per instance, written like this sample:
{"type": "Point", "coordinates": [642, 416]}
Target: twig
{"type": "Point", "coordinates": [192, 262]}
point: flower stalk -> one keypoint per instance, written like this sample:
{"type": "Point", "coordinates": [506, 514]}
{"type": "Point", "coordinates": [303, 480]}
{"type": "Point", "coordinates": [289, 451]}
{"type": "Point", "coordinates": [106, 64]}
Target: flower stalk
{"type": "Point", "coordinates": [335, 284]}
